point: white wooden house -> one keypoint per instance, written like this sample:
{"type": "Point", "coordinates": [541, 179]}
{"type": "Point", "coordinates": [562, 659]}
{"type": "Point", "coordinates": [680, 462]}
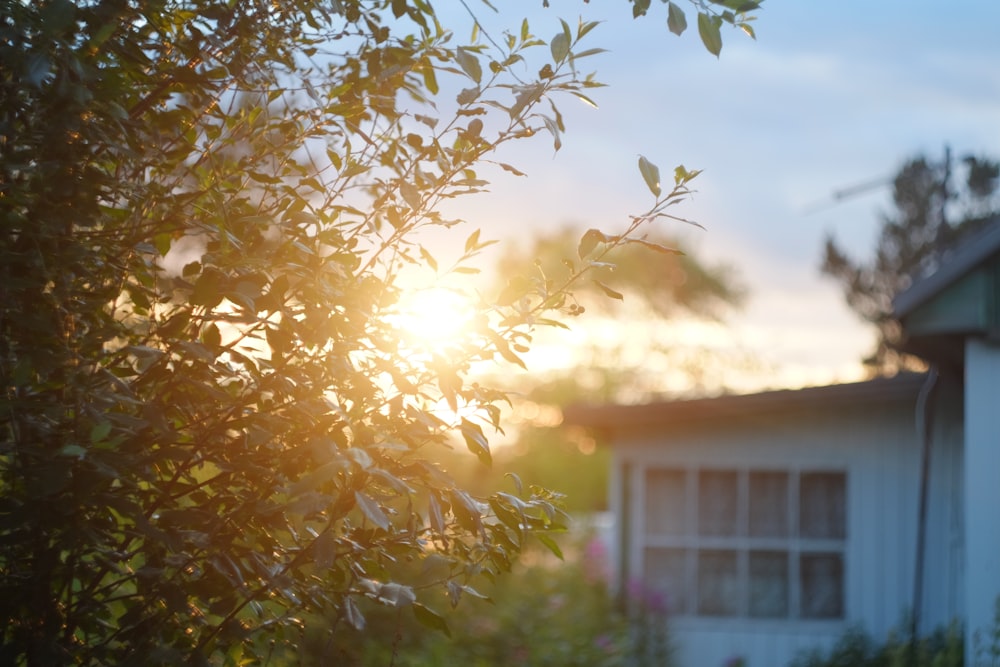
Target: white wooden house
{"type": "Point", "coordinates": [775, 521]}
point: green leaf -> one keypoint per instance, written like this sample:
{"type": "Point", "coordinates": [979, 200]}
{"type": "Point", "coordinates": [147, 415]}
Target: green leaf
{"type": "Point", "coordinates": [583, 28]}
{"type": "Point", "coordinates": [589, 241]}
{"type": "Point", "coordinates": [466, 511]}
{"type": "Point", "coordinates": [476, 441]}
{"type": "Point", "coordinates": [208, 288]}
{"type": "Point", "coordinates": [353, 615]}
{"type": "Point", "coordinates": [550, 544]}
{"type": "Point", "coordinates": [37, 70]}
{"type": "Point", "coordinates": [517, 482]}
{"type": "Point", "coordinates": [682, 175]}
{"type": "Point", "coordinates": [396, 595]}
{"type": "Point", "coordinates": [73, 451]}
{"type": "Point", "coordinates": [428, 258]}
{"type": "Point", "coordinates": [57, 16]}
{"type": "Point", "coordinates": [676, 21]}
{"type": "Point", "coordinates": [100, 431]}
{"type": "Point", "coordinates": [588, 52]}
{"type": "Point", "coordinates": [524, 97]}
{"type": "Point", "coordinates": [656, 247]}
{"type": "Point", "coordinates": [411, 194]}
{"type": "Point", "coordinates": [559, 47]}
{"type": "Point", "coordinates": [435, 514]}
{"type": "Point", "coordinates": [469, 64]}
{"type": "Point", "coordinates": [430, 78]}
{"type": "Point", "coordinates": [504, 349]}
{"type": "Point", "coordinates": [509, 518]}
{"type": "Point", "coordinates": [430, 618]}
{"type": "Point", "coordinates": [507, 167]}
{"type": "Point", "coordinates": [371, 510]}
{"type": "Point", "coordinates": [651, 174]}
{"type": "Point", "coordinates": [708, 29]}
{"type": "Point", "coordinates": [608, 291]}
{"type": "Point", "coordinates": [467, 96]}
{"type": "Point", "coordinates": [325, 550]}
{"type": "Point", "coordinates": [211, 336]}
{"type": "Point", "coordinates": [583, 98]}
{"type": "Point", "coordinates": [472, 242]}
{"type": "Point", "coordinates": [739, 5]}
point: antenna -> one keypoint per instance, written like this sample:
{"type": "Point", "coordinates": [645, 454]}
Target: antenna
{"type": "Point", "coordinates": [851, 191]}
{"type": "Point", "coordinates": [848, 192]}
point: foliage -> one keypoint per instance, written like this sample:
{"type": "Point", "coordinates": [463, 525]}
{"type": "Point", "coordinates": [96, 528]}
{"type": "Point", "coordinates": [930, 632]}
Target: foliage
{"type": "Point", "coordinates": [910, 243]}
{"type": "Point", "coordinates": [547, 612]}
{"type": "Point", "coordinates": [943, 648]}
{"type": "Point", "coordinates": [712, 14]}
{"type": "Point", "coordinates": [986, 645]}
{"type": "Point", "coordinates": [669, 281]}
{"type": "Point", "coordinates": [657, 285]}
{"type": "Point", "coordinates": [212, 424]}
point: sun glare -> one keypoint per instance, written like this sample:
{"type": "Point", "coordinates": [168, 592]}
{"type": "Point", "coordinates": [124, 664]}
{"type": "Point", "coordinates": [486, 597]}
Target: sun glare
{"type": "Point", "coordinates": [435, 318]}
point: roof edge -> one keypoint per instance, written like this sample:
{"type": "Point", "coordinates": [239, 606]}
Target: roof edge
{"type": "Point", "coordinates": [904, 386]}
{"type": "Point", "coordinates": [966, 256]}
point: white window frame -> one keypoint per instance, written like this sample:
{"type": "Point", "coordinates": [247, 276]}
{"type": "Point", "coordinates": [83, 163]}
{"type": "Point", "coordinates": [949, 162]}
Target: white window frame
{"type": "Point", "coordinates": [690, 542]}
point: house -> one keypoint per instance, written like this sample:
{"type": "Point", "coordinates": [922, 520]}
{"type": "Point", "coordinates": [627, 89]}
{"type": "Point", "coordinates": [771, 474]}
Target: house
{"type": "Point", "coordinates": [775, 521]}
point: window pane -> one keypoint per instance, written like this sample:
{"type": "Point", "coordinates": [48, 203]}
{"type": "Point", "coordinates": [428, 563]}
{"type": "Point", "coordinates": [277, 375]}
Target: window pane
{"type": "Point", "coordinates": [822, 579]}
{"type": "Point", "coordinates": [768, 504]}
{"type": "Point", "coordinates": [718, 584]}
{"type": "Point", "coordinates": [822, 506]}
{"type": "Point", "coordinates": [665, 502]}
{"type": "Point", "coordinates": [666, 579]}
{"type": "Point", "coordinates": [717, 503]}
{"type": "Point", "coordinates": [769, 584]}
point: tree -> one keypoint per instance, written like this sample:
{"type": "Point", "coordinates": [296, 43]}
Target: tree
{"type": "Point", "coordinates": [670, 282]}
{"type": "Point", "coordinates": [656, 287]}
{"type": "Point", "coordinates": [930, 216]}
{"type": "Point", "coordinates": [212, 422]}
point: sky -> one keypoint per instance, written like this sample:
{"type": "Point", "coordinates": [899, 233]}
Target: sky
{"type": "Point", "coordinates": [830, 95]}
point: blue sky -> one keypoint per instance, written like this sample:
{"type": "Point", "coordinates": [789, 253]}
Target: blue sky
{"type": "Point", "coordinates": [830, 95]}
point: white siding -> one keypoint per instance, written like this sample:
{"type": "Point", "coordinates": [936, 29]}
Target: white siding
{"type": "Point", "coordinates": [879, 448]}
{"type": "Point", "coordinates": [982, 488]}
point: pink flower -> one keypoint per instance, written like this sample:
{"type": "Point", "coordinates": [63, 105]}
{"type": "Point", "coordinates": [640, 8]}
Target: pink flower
{"type": "Point", "coordinates": [595, 562]}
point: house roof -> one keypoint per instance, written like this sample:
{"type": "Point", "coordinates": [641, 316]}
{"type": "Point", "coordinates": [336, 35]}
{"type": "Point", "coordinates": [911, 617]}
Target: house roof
{"type": "Point", "coordinates": [965, 257]}
{"type": "Point", "coordinates": [904, 386]}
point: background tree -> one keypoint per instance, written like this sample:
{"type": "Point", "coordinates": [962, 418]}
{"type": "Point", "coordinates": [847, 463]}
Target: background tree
{"type": "Point", "coordinates": [212, 422]}
{"type": "Point", "coordinates": [668, 282]}
{"type": "Point", "coordinates": [657, 288]}
{"type": "Point", "coordinates": [931, 213]}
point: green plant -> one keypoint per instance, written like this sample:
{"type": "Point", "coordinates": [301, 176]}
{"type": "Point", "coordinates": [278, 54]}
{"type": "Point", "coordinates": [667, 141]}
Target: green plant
{"type": "Point", "coordinates": [547, 612]}
{"type": "Point", "coordinates": [987, 649]}
{"type": "Point", "coordinates": [856, 648]}
{"type": "Point", "coordinates": [213, 423]}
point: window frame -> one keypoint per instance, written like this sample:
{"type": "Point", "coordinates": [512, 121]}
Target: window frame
{"type": "Point", "coordinates": [689, 542]}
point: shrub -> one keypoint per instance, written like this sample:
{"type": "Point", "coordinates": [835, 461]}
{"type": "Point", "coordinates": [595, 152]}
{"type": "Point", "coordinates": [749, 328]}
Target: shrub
{"type": "Point", "coordinates": [546, 613]}
{"type": "Point", "coordinates": [856, 648]}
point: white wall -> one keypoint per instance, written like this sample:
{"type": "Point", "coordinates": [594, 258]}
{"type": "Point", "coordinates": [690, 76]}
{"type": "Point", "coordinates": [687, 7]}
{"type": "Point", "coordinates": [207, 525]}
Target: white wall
{"type": "Point", "coordinates": [982, 491]}
{"type": "Point", "coordinates": [879, 448]}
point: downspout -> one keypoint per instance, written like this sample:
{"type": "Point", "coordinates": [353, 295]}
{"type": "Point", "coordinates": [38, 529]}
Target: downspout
{"type": "Point", "coordinates": [925, 423]}
{"type": "Point", "coordinates": [624, 536]}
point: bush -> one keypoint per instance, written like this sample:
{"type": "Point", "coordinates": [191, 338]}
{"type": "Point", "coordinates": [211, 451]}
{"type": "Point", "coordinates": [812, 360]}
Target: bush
{"type": "Point", "coordinates": [546, 613]}
{"type": "Point", "coordinates": [856, 648]}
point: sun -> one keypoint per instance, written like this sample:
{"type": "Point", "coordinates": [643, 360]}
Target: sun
{"type": "Point", "coordinates": [434, 319]}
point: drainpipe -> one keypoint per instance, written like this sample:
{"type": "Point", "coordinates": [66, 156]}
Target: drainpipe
{"type": "Point", "coordinates": [925, 423]}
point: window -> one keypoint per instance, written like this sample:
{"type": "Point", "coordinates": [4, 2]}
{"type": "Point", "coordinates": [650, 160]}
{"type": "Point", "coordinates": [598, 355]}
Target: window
{"type": "Point", "coordinates": [747, 543]}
